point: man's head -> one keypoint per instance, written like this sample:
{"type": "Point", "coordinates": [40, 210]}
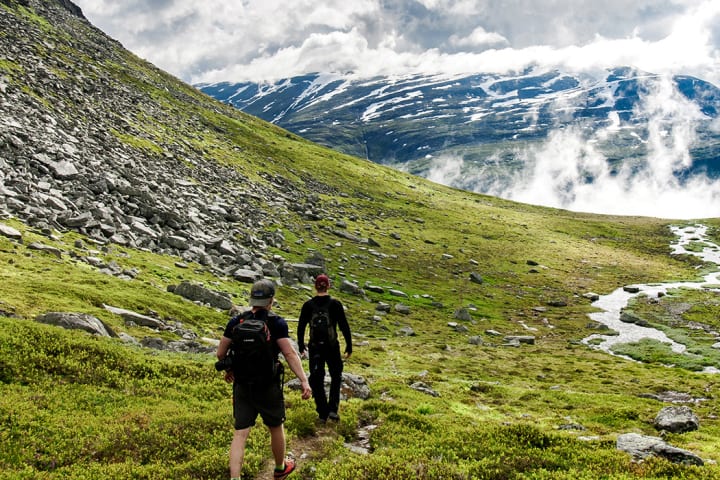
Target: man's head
{"type": "Point", "coordinates": [262, 293]}
{"type": "Point", "coordinates": [322, 283]}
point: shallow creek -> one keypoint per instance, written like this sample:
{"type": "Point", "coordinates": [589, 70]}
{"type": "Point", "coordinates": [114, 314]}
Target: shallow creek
{"type": "Point", "coordinates": [612, 304]}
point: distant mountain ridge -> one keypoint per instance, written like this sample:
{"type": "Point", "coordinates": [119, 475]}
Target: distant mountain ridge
{"type": "Point", "coordinates": [483, 118]}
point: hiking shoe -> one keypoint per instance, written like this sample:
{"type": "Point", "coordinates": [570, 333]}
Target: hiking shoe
{"type": "Point", "coordinates": [334, 416]}
{"type": "Point", "coordinates": [289, 467]}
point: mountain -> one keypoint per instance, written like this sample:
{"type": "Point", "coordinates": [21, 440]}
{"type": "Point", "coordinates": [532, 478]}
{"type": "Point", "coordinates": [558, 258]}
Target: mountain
{"type": "Point", "coordinates": [138, 208]}
{"type": "Point", "coordinates": [489, 121]}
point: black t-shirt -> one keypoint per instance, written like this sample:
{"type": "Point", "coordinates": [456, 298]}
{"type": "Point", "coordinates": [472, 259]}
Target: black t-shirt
{"type": "Point", "coordinates": [277, 325]}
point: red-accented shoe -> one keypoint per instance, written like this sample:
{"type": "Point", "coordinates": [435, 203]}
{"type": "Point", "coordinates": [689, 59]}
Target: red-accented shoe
{"type": "Point", "coordinates": [283, 474]}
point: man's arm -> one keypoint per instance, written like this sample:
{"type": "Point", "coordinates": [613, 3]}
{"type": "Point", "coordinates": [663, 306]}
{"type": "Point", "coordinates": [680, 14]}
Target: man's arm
{"type": "Point", "coordinates": [295, 364]}
{"type": "Point", "coordinates": [302, 323]}
{"type": "Point", "coordinates": [222, 352]}
{"type": "Point", "coordinates": [223, 347]}
{"type": "Point", "coordinates": [344, 327]}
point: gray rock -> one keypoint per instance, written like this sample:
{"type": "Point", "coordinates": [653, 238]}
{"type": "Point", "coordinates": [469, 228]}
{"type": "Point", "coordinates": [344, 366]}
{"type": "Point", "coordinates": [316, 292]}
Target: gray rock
{"type": "Point", "coordinates": [134, 317]}
{"type": "Point", "coordinates": [245, 275]}
{"type": "Point", "coordinates": [642, 447]}
{"type": "Point", "coordinates": [198, 293]}
{"type": "Point", "coordinates": [128, 339]}
{"type": "Point", "coordinates": [406, 332]}
{"type": "Point", "coordinates": [402, 309]}
{"type": "Point", "coordinates": [77, 221]}
{"type": "Point", "coordinates": [45, 248]}
{"type": "Point", "coordinates": [176, 241]}
{"type": "Point", "coordinates": [78, 321]}
{"type": "Point", "coordinates": [526, 339]}
{"type": "Point", "coordinates": [374, 288]}
{"type": "Point", "coordinates": [424, 388]}
{"type": "Point", "coordinates": [351, 288]}
{"type": "Point", "coordinates": [628, 317]}
{"type": "Point", "coordinates": [383, 307]}
{"type": "Point", "coordinates": [10, 232]}
{"type": "Point", "coordinates": [300, 272]}
{"type": "Point", "coordinates": [352, 386]}
{"type": "Point", "coordinates": [462, 314]}
{"type": "Point", "coordinates": [677, 420]}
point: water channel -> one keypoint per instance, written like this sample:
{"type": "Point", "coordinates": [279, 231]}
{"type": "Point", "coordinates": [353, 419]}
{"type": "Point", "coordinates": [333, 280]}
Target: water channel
{"type": "Point", "coordinates": [613, 304]}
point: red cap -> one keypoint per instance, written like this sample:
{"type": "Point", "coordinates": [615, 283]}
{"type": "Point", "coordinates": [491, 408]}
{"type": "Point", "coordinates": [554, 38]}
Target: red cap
{"type": "Point", "coordinates": [322, 282]}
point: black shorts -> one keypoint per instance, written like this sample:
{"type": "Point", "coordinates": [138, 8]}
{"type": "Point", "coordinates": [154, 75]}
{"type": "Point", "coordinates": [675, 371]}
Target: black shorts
{"type": "Point", "coordinates": [251, 400]}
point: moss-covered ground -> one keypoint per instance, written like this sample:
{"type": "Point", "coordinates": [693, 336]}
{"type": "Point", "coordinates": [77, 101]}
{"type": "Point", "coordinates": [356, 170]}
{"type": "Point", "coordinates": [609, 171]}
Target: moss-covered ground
{"type": "Point", "coordinates": [74, 406]}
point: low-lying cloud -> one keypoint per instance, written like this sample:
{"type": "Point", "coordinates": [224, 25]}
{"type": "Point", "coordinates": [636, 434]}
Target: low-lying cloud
{"type": "Point", "coordinates": [570, 171]}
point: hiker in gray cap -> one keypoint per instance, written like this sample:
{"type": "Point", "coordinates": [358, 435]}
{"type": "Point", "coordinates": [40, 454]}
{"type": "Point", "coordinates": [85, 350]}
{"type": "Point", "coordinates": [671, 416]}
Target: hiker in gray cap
{"type": "Point", "coordinates": [248, 352]}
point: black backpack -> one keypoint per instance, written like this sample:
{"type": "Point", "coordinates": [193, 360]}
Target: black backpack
{"type": "Point", "coordinates": [254, 358]}
{"type": "Point", "coordinates": [322, 331]}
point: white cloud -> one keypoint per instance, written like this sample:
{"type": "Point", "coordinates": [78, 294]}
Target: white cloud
{"type": "Point", "coordinates": [269, 39]}
{"type": "Point", "coordinates": [479, 38]}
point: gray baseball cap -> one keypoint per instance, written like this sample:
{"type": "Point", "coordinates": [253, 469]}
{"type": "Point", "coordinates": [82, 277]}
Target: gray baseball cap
{"type": "Point", "coordinates": [261, 293]}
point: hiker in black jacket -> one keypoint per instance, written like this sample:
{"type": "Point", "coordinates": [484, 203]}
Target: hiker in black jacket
{"type": "Point", "coordinates": [324, 314]}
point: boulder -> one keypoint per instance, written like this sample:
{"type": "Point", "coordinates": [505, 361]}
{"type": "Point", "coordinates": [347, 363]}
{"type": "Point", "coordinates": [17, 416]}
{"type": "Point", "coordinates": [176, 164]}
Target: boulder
{"type": "Point", "coordinates": [245, 275]}
{"type": "Point", "coordinates": [198, 293]}
{"type": "Point", "coordinates": [77, 321]}
{"type": "Point", "coordinates": [462, 314]}
{"type": "Point", "coordinates": [352, 386]}
{"type": "Point", "coordinates": [300, 272]}
{"type": "Point", "coordinates": [677, 419]}
{"type": "Point", "coordinates": [424, 388]}
{"type": "Point", "coordinates": [137, 318]}
{"type": "Point", "coordinates": [351, 288]}
{"type": "Point", "coordinates": [10, 232]}
{"type": "Point", "coordinates": [402, 309]}
{"type": "Point", "coordinates": [643, 446]}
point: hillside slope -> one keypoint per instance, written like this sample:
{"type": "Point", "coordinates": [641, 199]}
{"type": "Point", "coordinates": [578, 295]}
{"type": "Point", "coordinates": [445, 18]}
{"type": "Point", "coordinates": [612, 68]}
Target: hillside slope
{"type": "Point", "coordinates": [118, 182]}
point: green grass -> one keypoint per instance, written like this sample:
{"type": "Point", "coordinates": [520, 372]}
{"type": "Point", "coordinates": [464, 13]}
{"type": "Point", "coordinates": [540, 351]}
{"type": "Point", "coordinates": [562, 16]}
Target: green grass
{"type": "Point", "coordinates": [73, 406]}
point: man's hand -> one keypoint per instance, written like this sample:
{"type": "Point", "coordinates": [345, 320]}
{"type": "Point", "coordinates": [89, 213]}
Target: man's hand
{"type": "Point", "coordinates": [306, 390]}
{"type": "Point", "coordinates": [229, 377]}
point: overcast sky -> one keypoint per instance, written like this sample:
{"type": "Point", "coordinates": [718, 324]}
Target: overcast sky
{"type": "Point", "coordinates": [211, 40]}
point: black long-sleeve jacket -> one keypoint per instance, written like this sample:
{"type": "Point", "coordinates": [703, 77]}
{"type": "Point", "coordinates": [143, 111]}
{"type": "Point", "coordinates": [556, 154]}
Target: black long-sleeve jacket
{"type": "Point", "coordinates": [337, 317]}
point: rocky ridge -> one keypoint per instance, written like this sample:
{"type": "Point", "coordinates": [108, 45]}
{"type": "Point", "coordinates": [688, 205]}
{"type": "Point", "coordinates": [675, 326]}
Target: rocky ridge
{"type": "Point", "coordinates": [74, 154]}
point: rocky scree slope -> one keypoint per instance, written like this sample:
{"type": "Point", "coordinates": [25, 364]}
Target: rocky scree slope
{"type": "Point", "coordinates": [84, 146]}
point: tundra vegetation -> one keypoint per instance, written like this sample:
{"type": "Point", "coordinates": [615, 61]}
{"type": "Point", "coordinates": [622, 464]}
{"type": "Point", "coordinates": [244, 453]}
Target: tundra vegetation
{"type": "Point", "coordinates": [77, 406]}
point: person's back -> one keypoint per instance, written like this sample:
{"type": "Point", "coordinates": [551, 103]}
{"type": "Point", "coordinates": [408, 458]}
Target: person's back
{"type": "Point", "coordinates": [324, 315]}
{"type": "Point", "coordinates": [258, 391]}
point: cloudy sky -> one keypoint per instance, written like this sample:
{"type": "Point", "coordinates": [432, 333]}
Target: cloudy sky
{"type": "Point", "coordinates": [211, 40]}
{"type": "Point", "coordinates": [267, 40]}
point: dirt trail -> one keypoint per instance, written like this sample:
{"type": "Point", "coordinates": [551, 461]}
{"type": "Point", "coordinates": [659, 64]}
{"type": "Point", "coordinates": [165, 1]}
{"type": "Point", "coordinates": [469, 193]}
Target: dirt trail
{"type": "Point", "coordinates": [301, 449]}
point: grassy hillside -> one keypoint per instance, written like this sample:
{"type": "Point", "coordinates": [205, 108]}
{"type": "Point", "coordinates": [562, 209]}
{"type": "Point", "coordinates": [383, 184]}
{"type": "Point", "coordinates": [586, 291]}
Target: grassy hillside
{"type": "Point", "coordinates": [74, 406]}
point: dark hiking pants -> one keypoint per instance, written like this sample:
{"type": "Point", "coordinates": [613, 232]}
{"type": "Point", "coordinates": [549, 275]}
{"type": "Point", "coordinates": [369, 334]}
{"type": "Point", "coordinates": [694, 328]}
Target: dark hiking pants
{"type": "Point", "coordinates": [320, 356]}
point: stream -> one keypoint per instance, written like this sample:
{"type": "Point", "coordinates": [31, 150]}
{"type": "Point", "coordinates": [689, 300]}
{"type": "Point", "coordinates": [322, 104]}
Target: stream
{"type": "Point", "coordinates": [612, 304]}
